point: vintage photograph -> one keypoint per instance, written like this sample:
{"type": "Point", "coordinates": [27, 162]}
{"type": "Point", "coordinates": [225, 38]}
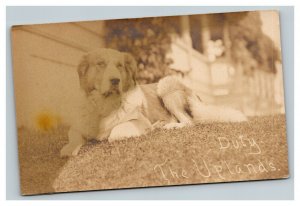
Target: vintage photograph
{"type": "Point", "coordinates": [144, 102]}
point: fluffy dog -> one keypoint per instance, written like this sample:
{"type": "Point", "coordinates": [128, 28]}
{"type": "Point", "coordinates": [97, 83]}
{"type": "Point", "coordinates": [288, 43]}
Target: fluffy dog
{"type": "Point", "coordinates": [104, 76]}
{"type": "Point", "coordinates": [116, 108]}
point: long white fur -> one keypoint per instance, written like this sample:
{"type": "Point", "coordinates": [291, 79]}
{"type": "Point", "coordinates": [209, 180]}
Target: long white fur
{"type": "Point", "coordinates": [210, 113]}
{"type": "Point", "coordinates": [171, 88]}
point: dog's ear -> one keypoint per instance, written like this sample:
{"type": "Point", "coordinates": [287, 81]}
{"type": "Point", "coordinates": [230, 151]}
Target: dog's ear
{"type": "Point", "coordinates": [82, 70]}
{"type": "Point", "coordinates": [130, 71]}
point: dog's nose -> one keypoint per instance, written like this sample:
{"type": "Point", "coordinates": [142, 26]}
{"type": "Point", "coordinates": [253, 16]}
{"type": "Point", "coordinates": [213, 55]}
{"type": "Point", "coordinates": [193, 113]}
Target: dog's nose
{"type": "Point", "coordinates": [115, 81]}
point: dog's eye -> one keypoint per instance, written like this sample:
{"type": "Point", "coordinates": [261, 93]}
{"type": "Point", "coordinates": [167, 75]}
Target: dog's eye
{"type": "Point", "coordinates": [119, 66]}
{"type": "Point", "coordinates": [101, 64]}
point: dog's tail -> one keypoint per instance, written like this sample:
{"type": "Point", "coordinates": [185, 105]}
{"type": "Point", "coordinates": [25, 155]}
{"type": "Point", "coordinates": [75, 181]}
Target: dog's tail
{"type": "Point", "coordinates": [202, 112]}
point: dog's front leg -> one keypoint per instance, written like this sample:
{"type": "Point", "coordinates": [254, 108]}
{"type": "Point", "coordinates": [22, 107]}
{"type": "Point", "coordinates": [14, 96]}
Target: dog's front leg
{"type": "Point", "coordinates": [76, 140]}
{"type": "Point", "coordinates": [122, 115]}
{"type": "Point", "coordinates": [103, 134]}
{"type": "Point", "coordinates": [105, 127]}
{"type": "Point", "coordinates": [131, 128]}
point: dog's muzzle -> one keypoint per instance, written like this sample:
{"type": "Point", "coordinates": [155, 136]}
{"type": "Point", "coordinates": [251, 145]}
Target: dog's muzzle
{"type": "Point", "coordinates": [114, 87]}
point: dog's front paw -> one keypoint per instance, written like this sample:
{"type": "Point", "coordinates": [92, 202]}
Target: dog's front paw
{"type": "Point", "coordinates": [103, 135]}
{"type": "Point", "coordinates": [176, 125]}
{"type": "Point", "coordinates": [70, 150]}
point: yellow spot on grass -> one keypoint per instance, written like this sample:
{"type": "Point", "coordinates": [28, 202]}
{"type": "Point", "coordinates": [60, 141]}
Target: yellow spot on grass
{"type": "Point", "coordinates": [46, 121]}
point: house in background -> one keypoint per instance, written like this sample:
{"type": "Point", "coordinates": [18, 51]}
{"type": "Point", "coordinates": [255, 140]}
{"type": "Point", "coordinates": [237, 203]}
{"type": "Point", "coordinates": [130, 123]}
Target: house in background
{"type": "Point", "coordinates": [45, 67]}
{"type": "Point", "coordinates": [48, 55]}
{"type": "Point", "coordinates": [202, 54]}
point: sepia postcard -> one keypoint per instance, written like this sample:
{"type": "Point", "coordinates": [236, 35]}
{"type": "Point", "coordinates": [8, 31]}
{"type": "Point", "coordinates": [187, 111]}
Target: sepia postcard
{"type": "Point", "coordinates": [146, 102]}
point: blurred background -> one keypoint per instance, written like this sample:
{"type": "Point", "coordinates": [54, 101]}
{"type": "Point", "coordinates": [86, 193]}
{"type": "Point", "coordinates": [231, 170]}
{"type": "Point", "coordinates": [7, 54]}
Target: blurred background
{"type": "Point", "coordinates": [231, 59]}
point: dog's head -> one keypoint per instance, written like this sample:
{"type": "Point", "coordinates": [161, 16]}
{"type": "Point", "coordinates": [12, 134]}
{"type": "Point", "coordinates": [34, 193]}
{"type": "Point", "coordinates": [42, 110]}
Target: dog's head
{"type": "Point", "coordinates": [107, 71]}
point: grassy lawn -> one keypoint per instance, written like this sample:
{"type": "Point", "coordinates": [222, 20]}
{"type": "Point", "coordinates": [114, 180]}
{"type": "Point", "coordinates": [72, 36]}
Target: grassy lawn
{"type": "Point", "coordinates": [162, 157]}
